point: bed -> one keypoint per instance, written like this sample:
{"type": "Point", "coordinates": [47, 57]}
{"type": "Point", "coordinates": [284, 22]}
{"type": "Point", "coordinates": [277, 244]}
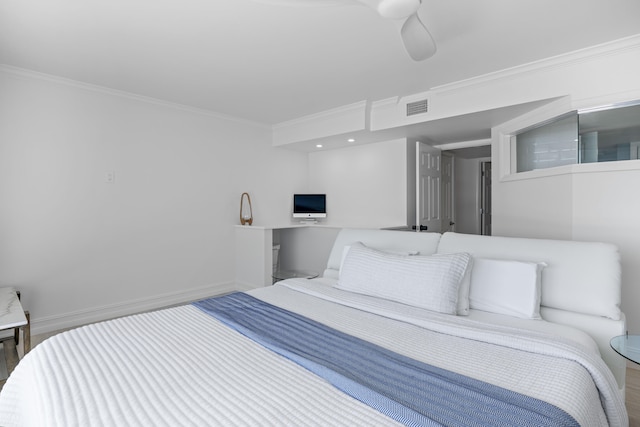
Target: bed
{"type": "Point", "coordinates": [448, 342]}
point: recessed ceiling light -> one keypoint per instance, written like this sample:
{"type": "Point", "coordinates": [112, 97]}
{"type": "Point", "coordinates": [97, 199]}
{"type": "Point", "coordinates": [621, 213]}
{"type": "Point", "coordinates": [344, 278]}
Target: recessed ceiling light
{"type": "Point", "coordinates": [318, 145]}
{"type": "Point", "coordinates": [351, 140]}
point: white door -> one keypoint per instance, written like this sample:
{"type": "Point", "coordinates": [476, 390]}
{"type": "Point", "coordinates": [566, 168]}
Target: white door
{"type": "Point", "coordinates": [447, 188]}
{"type": "Point", "coordinates": [428, 176]}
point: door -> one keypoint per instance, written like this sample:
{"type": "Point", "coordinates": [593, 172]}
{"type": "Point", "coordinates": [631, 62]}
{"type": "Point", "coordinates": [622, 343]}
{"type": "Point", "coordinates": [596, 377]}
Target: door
{"type": "Point", "coordinates": [428, 195]}
{"type": "Point", "coordinates": [485, 198]}
{"type": "Point", "coordinates": [447, 189]}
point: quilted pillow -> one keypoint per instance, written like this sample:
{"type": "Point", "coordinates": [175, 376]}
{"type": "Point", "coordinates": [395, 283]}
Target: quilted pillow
{"type": "Point", "coordinates": [346, 249]}
{"type": "Point", "coordinates": [463, 292]}
{"type": "Point", "coordinates": [429, 282]}
{"type": "Point", "coordinates": [506, 287]}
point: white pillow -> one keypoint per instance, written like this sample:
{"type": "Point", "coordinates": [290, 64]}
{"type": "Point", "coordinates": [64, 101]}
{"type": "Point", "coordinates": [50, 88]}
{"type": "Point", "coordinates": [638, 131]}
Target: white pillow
{"type": "Point", "coordinates": [430, 282]}
{"type": "Point", "coordinates": [346, 249]}
{"type": "Point", "coordinates": [506, 287]}
{"type": "Point", "coordinates": [463, 291]}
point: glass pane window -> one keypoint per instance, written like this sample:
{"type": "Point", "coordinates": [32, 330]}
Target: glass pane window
{"type": "Point", "coordinates": [610, 135]}
{"type": "Point", "coordinates": [598, 135]}
{"type": "Point", "coordinates": [548, 145]}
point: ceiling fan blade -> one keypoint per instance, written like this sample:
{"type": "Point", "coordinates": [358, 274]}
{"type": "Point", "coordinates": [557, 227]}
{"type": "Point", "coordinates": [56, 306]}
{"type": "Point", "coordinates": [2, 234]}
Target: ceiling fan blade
{"type": "Point", "coordinates": [417, 39]}
{"type": "Point", "coordinates": [398, 9]}
{"type": "Point", "coordinates": [393, 9]}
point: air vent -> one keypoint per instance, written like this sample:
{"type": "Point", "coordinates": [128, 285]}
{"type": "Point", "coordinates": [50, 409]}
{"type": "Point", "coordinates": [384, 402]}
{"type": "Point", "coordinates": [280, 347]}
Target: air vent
{"type": "Point", "coordinates": [418, 107]}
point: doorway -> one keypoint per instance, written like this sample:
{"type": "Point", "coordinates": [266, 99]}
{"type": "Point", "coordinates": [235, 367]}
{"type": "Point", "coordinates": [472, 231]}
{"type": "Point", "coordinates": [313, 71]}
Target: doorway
{"type": "Point", "coordinates": [447, 189]}
{"type": "Point", "coordinates": [435, 208]}
{"type": "Point", "coordinates": [485, 198]}
{"type": "Point", "coordinates": [472, 190]}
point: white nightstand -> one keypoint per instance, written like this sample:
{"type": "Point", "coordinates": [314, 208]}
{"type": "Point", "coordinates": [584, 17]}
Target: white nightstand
{"type": "Point", "coordinates": [13, 316]}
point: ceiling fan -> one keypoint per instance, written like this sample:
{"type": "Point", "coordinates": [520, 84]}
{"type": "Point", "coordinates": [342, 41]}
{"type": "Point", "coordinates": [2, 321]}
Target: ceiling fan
{"type": "Point", "coordinates": [416, 38]}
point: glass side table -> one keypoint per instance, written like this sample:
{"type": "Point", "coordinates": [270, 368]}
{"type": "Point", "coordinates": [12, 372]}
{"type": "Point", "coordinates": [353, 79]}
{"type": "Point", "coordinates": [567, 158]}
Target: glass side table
{"type": "Point", "coordinates": [291, 274]}
{"type": "Point", "coordinates": [627, 346]}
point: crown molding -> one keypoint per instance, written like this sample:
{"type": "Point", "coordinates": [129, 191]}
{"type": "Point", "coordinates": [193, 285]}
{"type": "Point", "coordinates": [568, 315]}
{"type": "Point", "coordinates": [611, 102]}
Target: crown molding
{"type": "Point", "coordinates": [25, 73]}
{"type": "Point", "coordinates": [322, 115]}
{"type": "Point", "coordinates": [558, 61]}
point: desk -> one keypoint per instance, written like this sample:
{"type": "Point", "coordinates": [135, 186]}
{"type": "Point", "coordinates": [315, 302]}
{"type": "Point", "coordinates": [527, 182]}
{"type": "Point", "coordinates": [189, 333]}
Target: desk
{"type": "Point", "coordinates": [627, 346]}
{"type": "Point", "coordinates": [301, 247]}
{"type": "Point", "coordinates": [12, 316]}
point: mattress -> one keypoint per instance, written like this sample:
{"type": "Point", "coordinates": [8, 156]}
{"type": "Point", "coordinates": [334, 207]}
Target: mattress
{"type": "Point", "coordinates": [181, 366]}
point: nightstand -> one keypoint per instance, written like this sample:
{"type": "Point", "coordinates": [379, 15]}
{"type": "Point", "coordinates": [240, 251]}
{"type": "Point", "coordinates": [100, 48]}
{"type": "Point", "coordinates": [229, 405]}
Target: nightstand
{"type": "Point", "coordinates": [627, 346]}
{"type": "Point", "coordinates": [13, 316]}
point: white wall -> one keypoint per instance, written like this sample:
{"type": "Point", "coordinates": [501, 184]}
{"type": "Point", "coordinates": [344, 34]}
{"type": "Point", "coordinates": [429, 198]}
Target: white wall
{"type": "Point", "coordinates": [534, 207]}
{"type": "Point", "coordinates": [306, 248]}
{"type": "Point", "coordinates": [607, 208]}
{"type": "Point", "coordinates": [366, 185]}
{"type": "Point", "coordinates": [80, 248]}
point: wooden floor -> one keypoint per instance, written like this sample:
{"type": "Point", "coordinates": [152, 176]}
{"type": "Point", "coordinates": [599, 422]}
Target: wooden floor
{"type": "Point", "coordinates": [632, 392]}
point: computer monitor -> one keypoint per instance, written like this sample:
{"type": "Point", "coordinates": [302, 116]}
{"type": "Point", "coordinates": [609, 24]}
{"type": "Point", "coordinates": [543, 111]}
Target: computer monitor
{"type": "Point", "coordinates": [309, 206]}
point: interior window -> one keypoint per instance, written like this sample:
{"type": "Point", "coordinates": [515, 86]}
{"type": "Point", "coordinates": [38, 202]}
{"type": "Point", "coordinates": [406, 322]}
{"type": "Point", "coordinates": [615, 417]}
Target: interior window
{"type": "Point", "coordinates": [610, 135]}
{"type": "Point", "coordinates": [547, 145]}
{"type": "Point", "coordinates": [596, 135]}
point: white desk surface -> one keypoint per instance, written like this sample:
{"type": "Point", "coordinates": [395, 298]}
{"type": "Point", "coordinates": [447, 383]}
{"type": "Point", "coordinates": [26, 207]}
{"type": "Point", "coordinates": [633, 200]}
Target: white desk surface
{"type": "Point", "coordinates": [11, 312]}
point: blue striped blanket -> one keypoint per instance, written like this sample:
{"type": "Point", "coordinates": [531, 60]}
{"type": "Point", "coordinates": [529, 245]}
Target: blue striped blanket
{"type": "Point", "coordinates": [409, 391]}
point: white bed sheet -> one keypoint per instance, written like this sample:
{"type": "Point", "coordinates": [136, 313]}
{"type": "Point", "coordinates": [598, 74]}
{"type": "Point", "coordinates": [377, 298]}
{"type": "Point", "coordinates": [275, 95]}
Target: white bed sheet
{"type": "Point", "coordinates": [175, 367]}
{"type": "Point", "coordinates": [537, 325]}
{"type": "Point", "coordinates": [180, 366]}
{"type": "Point", "coordinates": [457, 343]}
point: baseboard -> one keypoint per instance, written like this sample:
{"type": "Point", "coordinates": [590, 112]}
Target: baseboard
{"type": "Point", "coordinates": [96, 314]}
{"type": "Point", "coordinates": [241, 287]}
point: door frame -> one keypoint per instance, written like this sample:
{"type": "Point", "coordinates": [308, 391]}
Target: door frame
{"type": "Point", "coordinates": [486, 188]}
{"type": "Point", "coordinates": [450, 195]}
{"type": "Point", "coordinates": [428, 183]}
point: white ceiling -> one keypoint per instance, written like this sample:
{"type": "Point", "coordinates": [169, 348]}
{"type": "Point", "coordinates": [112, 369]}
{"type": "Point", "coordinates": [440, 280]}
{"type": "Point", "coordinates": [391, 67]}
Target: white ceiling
{"type": "Point", "coordinates": [272, 63]}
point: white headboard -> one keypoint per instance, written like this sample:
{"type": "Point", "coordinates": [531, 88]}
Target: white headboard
{"type": "Point", "coordinates": [581, 284]}
{"type": "Point", "coordinates": [583, 277]}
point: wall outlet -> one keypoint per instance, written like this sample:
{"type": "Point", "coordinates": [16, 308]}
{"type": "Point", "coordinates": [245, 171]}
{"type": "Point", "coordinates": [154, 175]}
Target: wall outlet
{"type": "Point", "coordinates": [110, 177]}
